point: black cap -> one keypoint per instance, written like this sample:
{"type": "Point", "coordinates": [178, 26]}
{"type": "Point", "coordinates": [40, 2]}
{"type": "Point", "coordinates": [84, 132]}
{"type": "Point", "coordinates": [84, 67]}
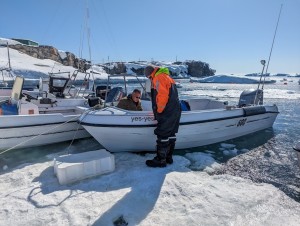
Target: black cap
{"type": "Point", "coordinates": [148, 70]}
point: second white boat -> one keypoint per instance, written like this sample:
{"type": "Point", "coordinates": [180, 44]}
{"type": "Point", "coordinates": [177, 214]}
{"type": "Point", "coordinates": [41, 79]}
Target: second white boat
{"type": "Point", "coordinates": [205, 122]}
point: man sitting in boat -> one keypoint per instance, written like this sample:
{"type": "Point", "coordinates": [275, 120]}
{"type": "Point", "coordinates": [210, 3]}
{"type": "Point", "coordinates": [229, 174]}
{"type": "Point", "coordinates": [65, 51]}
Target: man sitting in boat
{"type": "Point", "coordinates": [131, 102]}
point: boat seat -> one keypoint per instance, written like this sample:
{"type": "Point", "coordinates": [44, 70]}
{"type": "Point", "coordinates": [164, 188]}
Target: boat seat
{"type": "Point", "coordinates": [204, 104]}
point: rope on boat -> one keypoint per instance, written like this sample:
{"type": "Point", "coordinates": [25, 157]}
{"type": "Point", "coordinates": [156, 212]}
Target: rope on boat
{"type": "Point", "coordinates": [79, 123]}
{"type": "Point", "coordinates": [68, 148]}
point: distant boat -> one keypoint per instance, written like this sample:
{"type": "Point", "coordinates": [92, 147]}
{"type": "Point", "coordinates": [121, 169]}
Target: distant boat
{"type": "Point", "coordinates": [283, 80]}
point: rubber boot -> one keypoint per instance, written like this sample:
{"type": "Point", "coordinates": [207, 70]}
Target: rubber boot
{"type": "Point", "coordinates": [171, 148]}
{"type": "Point", "coordinates": [169, 158]}
{"type": "Point", "coordinates": [160, 159]}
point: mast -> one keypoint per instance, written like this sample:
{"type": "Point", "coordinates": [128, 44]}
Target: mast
{"type": "Point", "coordinates": [88, 38]}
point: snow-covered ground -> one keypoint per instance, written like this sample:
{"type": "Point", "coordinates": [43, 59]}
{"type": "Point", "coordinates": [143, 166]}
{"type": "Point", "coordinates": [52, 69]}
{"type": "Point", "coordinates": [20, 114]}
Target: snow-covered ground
{"type": "Point", "coordinates": [175, 195]}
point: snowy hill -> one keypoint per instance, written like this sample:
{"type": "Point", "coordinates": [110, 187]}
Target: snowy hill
{"type": "Point", "coordinates": [33, 68]}
{"type": "Point", "coordinates": [38, 61]}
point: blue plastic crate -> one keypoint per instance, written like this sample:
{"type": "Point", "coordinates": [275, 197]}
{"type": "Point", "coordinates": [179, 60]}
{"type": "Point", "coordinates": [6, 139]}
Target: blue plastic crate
{"type": "Point", "coordinates": [9, 109]}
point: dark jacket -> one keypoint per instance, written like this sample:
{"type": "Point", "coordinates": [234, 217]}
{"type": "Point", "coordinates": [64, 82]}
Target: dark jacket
{"type": "Point", "coordinates": [128, 104]}
{"type": "Point", "coordinates": [165, 103]}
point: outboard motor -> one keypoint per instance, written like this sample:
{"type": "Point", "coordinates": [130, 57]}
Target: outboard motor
{"type": "Point", "coordinates": [251, 97]}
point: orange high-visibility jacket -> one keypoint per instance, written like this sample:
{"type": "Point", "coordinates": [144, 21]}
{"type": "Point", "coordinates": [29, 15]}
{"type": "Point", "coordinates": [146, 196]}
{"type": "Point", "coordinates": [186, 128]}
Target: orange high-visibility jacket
{"type": "Point", "coordinates": [161, 83]}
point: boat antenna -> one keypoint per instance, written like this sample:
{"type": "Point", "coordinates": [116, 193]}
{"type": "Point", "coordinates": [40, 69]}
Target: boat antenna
{"type": "Point", "coordinates": [88, 39]}
{"type": "Point", "coordinates": [272, 46]}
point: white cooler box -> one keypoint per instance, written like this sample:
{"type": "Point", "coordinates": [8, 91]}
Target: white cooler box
{"type": "Point", "coordinates": [75, 167]}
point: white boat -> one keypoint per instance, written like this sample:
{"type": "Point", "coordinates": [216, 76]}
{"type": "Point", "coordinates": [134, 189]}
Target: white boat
{"type": "Point", "coordinates": [203, 122]}
{"type": "Point", "coordinates": [27, 120]}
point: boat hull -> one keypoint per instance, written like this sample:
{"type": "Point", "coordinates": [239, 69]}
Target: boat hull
{"type": "Point", "coordinates": [120, 131]}
{"type": "Point", "coordinates": [22, 131]}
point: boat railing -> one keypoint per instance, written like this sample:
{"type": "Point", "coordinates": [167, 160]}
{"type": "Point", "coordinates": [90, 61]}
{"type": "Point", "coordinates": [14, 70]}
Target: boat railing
{"type": "Point", "coordinates": [125, 81]}
{"type": "Point", "coordinates": [63, 83]}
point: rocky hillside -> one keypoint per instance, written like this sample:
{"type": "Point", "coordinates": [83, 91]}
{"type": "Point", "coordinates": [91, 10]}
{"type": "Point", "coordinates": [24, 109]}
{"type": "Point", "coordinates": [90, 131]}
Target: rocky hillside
{"type": "Point", "coordinates": [178, 69]}
{"type": "Point", "coordinates": [49, 52]}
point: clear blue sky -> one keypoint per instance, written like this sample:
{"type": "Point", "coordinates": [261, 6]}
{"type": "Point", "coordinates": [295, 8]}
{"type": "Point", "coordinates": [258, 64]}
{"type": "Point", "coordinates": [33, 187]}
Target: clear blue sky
{"type": "Point", "coordinates": [231, 35]}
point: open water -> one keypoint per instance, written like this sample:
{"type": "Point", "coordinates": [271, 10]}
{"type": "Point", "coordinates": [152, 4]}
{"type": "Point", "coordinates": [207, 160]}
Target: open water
{"type": "Point", "coordinates": [266, 156]}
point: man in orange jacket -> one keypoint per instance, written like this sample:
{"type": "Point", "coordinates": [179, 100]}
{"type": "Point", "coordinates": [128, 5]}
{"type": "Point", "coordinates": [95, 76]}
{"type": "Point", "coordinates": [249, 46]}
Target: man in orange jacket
{"type": "Point", "coordinates": [167, 112]}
